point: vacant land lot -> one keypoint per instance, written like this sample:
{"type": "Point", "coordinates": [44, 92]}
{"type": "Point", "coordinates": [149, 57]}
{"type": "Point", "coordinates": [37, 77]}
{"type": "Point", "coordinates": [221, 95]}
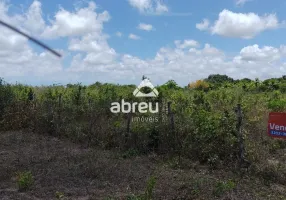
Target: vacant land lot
{"type": "Point", "coordinates": [63, 170]}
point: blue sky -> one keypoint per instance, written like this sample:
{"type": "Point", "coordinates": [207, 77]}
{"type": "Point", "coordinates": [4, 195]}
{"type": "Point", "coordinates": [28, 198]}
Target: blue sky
{"type": "Point", "coordinates": [119, 41]}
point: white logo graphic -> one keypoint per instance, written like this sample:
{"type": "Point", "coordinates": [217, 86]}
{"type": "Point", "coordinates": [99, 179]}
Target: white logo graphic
{"type": "Point", "coordinates": [146, 83]}
{"type": "Point", "coordinates": [141, 107]}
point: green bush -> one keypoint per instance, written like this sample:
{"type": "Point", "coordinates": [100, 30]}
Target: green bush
{"type": "Point", "coordinates": [204, 126]}
{"type": "Point", "coordinates": [277, 105]}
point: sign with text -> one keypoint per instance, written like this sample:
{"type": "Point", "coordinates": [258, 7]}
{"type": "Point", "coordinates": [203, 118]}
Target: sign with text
{"type": "Point", "coordinates": [277, 125]}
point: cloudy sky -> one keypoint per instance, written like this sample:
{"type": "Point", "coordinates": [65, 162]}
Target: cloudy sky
{"type": "Point", "coordinates": [119, 41]}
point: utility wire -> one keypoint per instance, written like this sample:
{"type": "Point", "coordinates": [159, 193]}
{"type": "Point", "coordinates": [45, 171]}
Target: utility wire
{"type": "Point", "coordinates": [31, 38]}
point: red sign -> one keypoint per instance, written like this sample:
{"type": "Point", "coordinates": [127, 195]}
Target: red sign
{"type": "Point", "coordinates": [277, 125]}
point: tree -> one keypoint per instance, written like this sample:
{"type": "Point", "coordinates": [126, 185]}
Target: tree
{"type": "Point", "coordinates": [246, 80]}
{"type": "Point", "coordinates": [199, 84]}
{"type": "Point", "coordinates": [171, 84]}
{"type": "Point", "coordinates": [218, 79]}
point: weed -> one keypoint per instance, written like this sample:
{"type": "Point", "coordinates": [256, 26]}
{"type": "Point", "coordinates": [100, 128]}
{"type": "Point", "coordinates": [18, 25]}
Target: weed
{"type": "Point", "coordinates": [222, 187]}
{"type": "Point", "coordinates": [60, 195]}
{"type": "Point", "coordinates": [134, 197]}
{"type": "Point", "coordinates": [148, 194]}
{"type": "Point", "coordinates": [198, 186]}
{"type": "Point", "coordinates": [109, 198]}
{"type": "Point", "coordinates": [130, 153]}
{"type": "Point", "coordinates": [24, 180]}
{"type": "Point", "coordinates": [150, 188]}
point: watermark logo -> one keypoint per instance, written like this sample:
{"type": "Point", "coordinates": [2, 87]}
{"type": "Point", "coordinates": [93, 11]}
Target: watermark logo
{"type": "Point", "coordinates": [141, 107]}
{"type": "Point", "coordinates": [146, 83]}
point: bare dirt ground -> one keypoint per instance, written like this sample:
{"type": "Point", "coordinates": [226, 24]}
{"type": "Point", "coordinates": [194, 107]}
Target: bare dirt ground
{"type": "Point", "coordinates": [85, 173]}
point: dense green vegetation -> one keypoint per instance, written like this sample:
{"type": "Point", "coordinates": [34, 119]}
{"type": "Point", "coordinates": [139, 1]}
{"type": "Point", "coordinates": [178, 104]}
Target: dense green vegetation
{"type": "Point", "coordinates": [204, 126]}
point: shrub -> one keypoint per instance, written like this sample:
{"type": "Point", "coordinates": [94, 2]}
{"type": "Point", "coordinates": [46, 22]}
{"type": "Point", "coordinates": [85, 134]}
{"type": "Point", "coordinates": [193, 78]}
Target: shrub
{"type": "Point", "coordinates": [199, 84]}
{"type": "Point", "coordinates": [277, 105]}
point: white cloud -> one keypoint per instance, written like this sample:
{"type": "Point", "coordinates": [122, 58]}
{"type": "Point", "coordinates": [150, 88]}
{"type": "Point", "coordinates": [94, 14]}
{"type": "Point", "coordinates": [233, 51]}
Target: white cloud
{"type": "Point", "coordinates": [34, 20]}
{"type": "Point", "coordinates": [31, 21]}
{"type": "Point", "coordinates": [141, 5]}
{"type": "Point", "coordinates": [134, 37]}
{"type": "Point", "coordinates": [101, 58]}
{"type": "Point", "coordinates": [83, 21]}
{"type": "Point", "coordinates": [240, 25]}
{"type": "Point", "coordinates": [118, 34]}
{"type": "Point", "coordinates": [204, 25]}
{"type": "Point", "coordinates": [243, 25]}
{"type": "Point", "coordinates": [160, 7]}
{"type": "Point", "coordinates": [18, 60]}
{"type": "Point", "coordinates": [149, 6]}
{"type": "Point", "coordinates": [96, 48]}
{"type": "Point", "coordinates": [89, 43]}
{"type": "Point", "coordinates": [241, 2]}
{"type": "Point", "coordinates": [185, 65]}
{"type": "Point", "coordinates": [145, 27]}
{"type": "Point", "coordinates": [84, 28]}
{"type": "Point", "coordinates": [186, 44]}
{"type": "Point", "coordinates": [256, 54]}
{"type": "Point", "coordinates": [92, 42]}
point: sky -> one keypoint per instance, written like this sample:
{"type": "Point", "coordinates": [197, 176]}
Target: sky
{"type": "Point", "coordinates": [119, 41]}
